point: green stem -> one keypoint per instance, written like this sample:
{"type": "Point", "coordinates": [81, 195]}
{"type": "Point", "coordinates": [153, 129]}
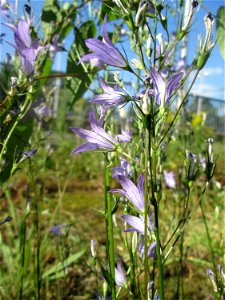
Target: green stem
{"type": "Point", "coordinates": [208, 236]}
{"type": "Point", "coordinates": [159, 259]}
{"type": "Point", "coordinates": [22, 250]}
{"type": "Point", "coordinates": [106, 189]}
{"type": "Point", "coordinates": [153, 166]}
{"type": "Point", "coordinates": [37, 231]}
{"type": "Point", "coordinates": [110, 231]}
{"type": "Point", "coordinates": [146, 214]}
{"type": "Point", "coordinates": [24, 110]}
{"type": "Point", "coordinates": [180, 275]}
{"type": "Point", "coordinates": [186, 221]}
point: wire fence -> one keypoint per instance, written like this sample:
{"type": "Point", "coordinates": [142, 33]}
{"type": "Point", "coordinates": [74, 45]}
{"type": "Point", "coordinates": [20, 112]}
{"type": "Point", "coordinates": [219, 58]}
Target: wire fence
{"type": "Point", "coordinates": [213, 110]}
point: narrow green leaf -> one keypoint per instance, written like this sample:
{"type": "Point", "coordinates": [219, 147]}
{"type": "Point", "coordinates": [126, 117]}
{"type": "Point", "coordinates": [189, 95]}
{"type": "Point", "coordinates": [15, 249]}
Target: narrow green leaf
{"type": "Point", "coordinates": [220, 30]}
{"type": "Point", "coordinates": [62, 265]}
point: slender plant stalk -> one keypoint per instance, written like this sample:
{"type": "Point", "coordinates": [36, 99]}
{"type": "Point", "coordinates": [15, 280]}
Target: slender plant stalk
{"type": "Point", "coordinates": [110, 230]}
{"type": "Point", "coordinates": [22, 250]}
{"type": "Point", "coordinates": [106, 189]}
{"type": "Point", "coordinates": [184, 225]}
{"type": "Point", "coordinates": [180, 275]}
{"type": "Point", "coordinates": [24, 110]}
{"type": "Point", "coordinates": [208, 235]}
{"type": "Point", "coordinates": [38, 238]}
{"type": "Point", "coordinates": [153, 166]}
{"type": "Point", "coordinates": [146, 204]}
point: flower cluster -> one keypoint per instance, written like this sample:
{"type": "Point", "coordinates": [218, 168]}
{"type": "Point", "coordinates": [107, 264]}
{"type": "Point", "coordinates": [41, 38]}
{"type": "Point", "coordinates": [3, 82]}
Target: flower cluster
{"type": "Point", "coordinates": [27, 49]}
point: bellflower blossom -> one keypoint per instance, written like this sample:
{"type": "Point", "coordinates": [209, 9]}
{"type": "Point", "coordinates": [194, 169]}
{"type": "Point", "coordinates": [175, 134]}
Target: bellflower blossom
{"type": "Point", "coordinates": [151, 249]}
{"type": "Point", "coordinates": [135, 194]}
{"type": "Point", "coordinates": [119, 274]}
{"type": "Point", "coordinates": [104, 50]}
{"type": "Point", "coordinates": [112, 96]}
{"type": "Point", "coordinates": [163, 90]}
{"type": "Point", "coordinates": [27, 49]}
{"type": "Point", "coordinates": [97, 138]}
{"type": "Point", "coordinates": [138, 224]}
{"type": "Point", "coordinates": [122, 170]}
{"type": "Point", "coordinates": [125, 136]}
{"type": "Point", "coordinates": [170, 180]}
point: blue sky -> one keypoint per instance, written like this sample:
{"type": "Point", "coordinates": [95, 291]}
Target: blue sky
{"type": "Point", "coordinates": [211, 81]}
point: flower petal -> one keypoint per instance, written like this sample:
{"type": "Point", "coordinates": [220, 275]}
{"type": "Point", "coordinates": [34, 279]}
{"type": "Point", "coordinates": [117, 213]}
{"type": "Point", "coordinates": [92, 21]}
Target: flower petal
{"type": "Point", "coordinates": [24, 33]}
{"type": "Point", "coordinates": [28, 59]}
{"type": "Point", "coordinates": [140, 185]}
{"type": "Point", "coordinates": [92, 137]}
{"type": "Point", "coordinates": [107, 54]}
{"type": "Point", "coordinates": [105, 33]}
{"type": "Point", "coordinates": [172, 84]}
{"type": "Point", "coordinates": [85, 147]}
{"type": "Point", "coordinates": [135, 222]}
{"type": "Point", "coordinates": [99, 130]}
{"type": "Point", "coordinates": [132, 192]}
{"type": "Point", "coordinates": [109, 100]}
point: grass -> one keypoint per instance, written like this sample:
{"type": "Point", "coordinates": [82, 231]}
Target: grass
{"type": "Point", "coordinates": [71, 193]}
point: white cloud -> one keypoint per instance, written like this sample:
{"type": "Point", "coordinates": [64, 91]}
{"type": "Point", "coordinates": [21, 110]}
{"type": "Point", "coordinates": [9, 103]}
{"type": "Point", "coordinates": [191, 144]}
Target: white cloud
{"type": "Point", "coordinates": [210, 71]}
{"type": "Point", "coordinates": [206, 90]}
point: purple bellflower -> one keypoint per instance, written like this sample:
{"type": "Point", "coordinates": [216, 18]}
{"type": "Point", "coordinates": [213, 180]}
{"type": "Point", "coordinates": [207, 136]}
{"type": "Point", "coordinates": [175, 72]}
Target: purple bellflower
{"type": "Point", "coordinates": [151, 249]}
{"type": "Point", "coordinates": [104, 50]}
{"type": "Point", "coordinates": [122, 170]}
{"type": "Point", "coordinates": [27, 49]}
{"type": "Point", "coordinates": [56, 229]}
{"type": "Point", "coordinates": [119, 274]}
{"type": "Point", "coordinates": [170, 180]}
{"type": "Point", "coordinates": [135, 194]}
{"type": "Point", "coordinates": [98, 138]}
{"type": "Point", "coordinates": [163, 90]}
{"type": "Point", "coordinates": [125, 136]}
{"type": "Point", "coordinates": [138, 224]}
{"type": "Point", "coordinates": [112, 96]}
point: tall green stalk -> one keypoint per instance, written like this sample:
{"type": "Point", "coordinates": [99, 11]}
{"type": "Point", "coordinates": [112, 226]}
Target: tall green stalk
{"type": "Point", "coordinates": [110, 235]}
{"type": "Point", "coordinates": [208, 235]}
{"type": "Point", "coordinates": [37, 231]}
{"type": "Point", "coordinates": [180, 275]}
{"type": "Point", "coordinates": [153, 168]}
{"type": "Point", "coordinates": [23, 235]}
{"type": "Point", "coordinates": [106, 189]}
{"type": "Point", "coordinates": [146, 204]}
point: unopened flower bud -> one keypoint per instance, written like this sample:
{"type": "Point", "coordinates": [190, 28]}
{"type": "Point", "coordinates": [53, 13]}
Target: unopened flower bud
{"type": "Point", "coordinates": [210, 166]}
{"type": "Point", "coordinates": [146, 105]}
{"type": "Point", "coordinates": [140, 12]}
{"type": "Point", "coordinates": [192, 172]}
{"type": "Point", "coordinates": [8, 59]}
{"type": "Point", "coordinates": [7, 219]}
{"type": "Point", "coordinates": [13, 82]}
{"type": "Point", "coordinates": [212, 279]}
{"type": "Point", "coordinates": [206, 49]}
{"type": "Point", "coordinates": [134, 243]}
{"type": "Point", "coordinates": [194, 3]}
{"type": "Point", "coordinates": [27, 9]}
{"type": "Point", "coordinates": [93, 246]}
{"type": "Point", "coordinates": [220, 268]}
{"type": "Point", "coordinates": [105, 288]}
